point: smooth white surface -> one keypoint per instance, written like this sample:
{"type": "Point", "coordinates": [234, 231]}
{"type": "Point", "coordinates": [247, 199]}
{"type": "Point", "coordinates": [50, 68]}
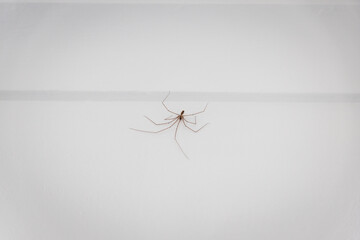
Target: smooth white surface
{"type": "Point", "coordinates": [238, 48]}
{"type": "Point", "coordinates": [284, 166]}
{"type": "Point", "coordinates": [286, 2]}
{"type": "Point", "coordinates": [73, 170]}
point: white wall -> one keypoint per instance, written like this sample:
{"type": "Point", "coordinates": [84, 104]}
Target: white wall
{"type": "Point", "coordinates": [241, 48]}
{"type": "Point", "coordinates": [277, 167]}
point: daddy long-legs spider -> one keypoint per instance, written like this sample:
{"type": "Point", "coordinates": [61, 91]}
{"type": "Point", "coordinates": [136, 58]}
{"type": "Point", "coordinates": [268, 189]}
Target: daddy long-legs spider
{"type": "Point", "coordinates": [175, 120]}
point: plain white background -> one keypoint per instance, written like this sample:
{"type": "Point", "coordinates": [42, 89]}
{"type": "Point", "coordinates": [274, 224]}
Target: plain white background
{"type": "Point", "coordinates": [260, 170]}
{"type": "Point", "coordinates": [240, 48]}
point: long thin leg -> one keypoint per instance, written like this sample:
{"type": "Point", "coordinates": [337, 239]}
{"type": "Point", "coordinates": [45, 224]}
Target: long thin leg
{"type": "Point", "coordinates": [192, 114]}
{"type": "Point", "coordinates": [171, 117]}
{"type": "Point", "coordinates": [190, 121]}
{"type": "Point", "coordinates": [178, 142]}
{"type": "Point", "coordinates": [166, 106]}
{"type": "Point", "coordinates": [159, 123]}
{"type": "Point", "coordinates": [193, 129]}
{"type": "Point", "coordinates": [139, 130]}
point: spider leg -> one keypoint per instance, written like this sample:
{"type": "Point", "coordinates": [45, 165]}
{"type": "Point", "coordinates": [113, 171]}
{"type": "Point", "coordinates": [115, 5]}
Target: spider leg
{"type": "Point", "coordinates": [166, 106]}
{"type": "Point", "coordinates": [139, 130]}
{"type": "Point", "coordinates": [171, 117]}
{"type": "Point", "coordinates": [178, 142]}
{"type": "Point", "coordinates": [159, 123]}
{"type": "Point", "coordinates": [192, 114]}
{"type": "Point", "coordinates": [193, 129]}
{"type": "Point", "coordinates": [190, 121]}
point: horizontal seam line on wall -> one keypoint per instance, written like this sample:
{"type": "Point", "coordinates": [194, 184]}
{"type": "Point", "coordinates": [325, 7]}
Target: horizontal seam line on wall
{"type": "Point", "coordinates": [176, 96]}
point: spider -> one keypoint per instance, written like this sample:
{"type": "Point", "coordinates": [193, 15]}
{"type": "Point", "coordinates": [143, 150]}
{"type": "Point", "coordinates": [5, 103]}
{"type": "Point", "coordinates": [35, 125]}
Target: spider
{"type": "Point", "coordinates": [175, 120]}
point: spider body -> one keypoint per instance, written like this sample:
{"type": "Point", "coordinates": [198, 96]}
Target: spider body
{"type": "Point", "coordinates": [175, 120]}
{"type": "Point", "coordinates": [181, 116]}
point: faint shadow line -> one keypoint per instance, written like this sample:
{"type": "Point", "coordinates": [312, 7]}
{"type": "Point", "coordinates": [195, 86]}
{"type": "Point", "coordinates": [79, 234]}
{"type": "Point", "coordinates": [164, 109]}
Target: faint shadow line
{"type": "Point", "coordinates": [175, 96]}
